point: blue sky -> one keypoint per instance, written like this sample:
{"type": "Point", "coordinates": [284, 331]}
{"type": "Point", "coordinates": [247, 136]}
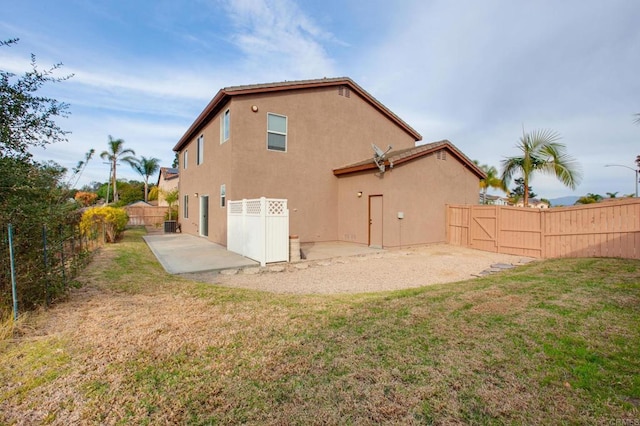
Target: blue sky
{"type": "Point", "coordinates": [471, 72]}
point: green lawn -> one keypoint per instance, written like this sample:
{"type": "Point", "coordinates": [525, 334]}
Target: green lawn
{"type": "Point", "coordinates": [547, 343]}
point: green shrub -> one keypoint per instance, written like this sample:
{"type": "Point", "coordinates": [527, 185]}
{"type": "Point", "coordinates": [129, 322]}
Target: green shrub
{"type": "Point", "coordinates": [110, 220]}
{"type": "Point", "coordinates": [171, 213]}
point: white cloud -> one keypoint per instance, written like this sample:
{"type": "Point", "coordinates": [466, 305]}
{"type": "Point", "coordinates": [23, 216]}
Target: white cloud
{"type": "Point", "coordinates": [278, 40]}
{"type": "Point", "coordinates": [475, 73]}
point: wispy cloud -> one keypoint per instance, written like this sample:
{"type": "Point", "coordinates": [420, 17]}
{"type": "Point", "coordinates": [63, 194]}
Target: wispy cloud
{"type": "Point", "coordinates": [277, 38]}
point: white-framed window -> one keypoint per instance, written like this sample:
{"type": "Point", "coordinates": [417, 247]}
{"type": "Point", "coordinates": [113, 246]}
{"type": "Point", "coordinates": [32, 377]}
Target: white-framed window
{"type": "Point", "coordinates": [276, 132]}
{"type": "Point", "coordinates": [200, 159]}
{"type": "Point", "coordinates": [185, 208]}
{"type": "Point", "coordinates": [225, 122]}
{"type": "Point", "coordinates": [185, 159]}
{"type": "Point", "coordinates": [223, 195]}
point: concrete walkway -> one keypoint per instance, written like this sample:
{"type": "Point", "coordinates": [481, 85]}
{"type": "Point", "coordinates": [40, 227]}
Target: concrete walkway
{"type": "Point", "coordinates": [183, 253]}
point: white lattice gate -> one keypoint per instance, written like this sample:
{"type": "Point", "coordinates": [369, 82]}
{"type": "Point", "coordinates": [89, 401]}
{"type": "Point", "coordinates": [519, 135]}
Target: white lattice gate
{"type": "Point", "coordinates": [259, 229]}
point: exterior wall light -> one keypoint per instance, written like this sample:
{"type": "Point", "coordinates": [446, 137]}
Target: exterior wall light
{"type": "Point", "coordinates": [359, 194]}
{"type": "Point", "coordinates": [195, 194]}
{"type": "Point", "coordinates": [254, 108]}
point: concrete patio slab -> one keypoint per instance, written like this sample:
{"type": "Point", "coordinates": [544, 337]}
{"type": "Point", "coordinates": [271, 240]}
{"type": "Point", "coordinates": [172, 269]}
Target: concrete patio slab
{"type": "Point", "coordinates": [183, 253]}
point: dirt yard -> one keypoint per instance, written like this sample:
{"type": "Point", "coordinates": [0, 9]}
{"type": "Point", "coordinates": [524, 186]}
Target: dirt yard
{"type": "Point", "coordinates": [390, 270]}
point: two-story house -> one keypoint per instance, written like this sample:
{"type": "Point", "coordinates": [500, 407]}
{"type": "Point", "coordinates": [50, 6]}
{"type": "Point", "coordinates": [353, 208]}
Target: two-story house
{"type": "Point", "coordinates": [310, 142]}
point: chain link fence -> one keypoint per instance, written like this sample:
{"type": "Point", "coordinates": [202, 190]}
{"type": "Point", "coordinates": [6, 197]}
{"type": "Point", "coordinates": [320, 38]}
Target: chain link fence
{"type": "Point", "coordinates": [38, 264]}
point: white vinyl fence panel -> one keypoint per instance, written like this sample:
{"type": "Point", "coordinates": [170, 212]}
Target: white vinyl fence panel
{"type": "Point", "coordinates": [259, 229]}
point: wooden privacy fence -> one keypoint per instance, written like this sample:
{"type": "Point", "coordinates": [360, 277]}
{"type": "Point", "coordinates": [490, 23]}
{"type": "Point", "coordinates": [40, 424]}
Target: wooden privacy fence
{"type": "Point", "coordinates": [146, 215]}
{"type": "Point", "coordinates": [606, 229]}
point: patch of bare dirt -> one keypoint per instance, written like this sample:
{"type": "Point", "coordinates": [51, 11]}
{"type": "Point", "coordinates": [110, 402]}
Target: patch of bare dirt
{"type": "Point", "coordinates": [391, 270]}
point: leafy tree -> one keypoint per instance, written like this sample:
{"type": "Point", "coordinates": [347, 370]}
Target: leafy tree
{"type": "Point", "coordinates": [102, 191]}
{"type": "Point", "coordinates": [130, 192]}
{"type": "Point", "coordinates": [545, 200]}
{"type": "Point", "coordinates": [491, 181]}
{"type": "Point", "coordinates": [91, 187]}
{"type": "Point", "coordinates": [146, 167]}
{"type": "Point", "coordinates": [27, 119]}
{"type": "Point", "coordinates": [518, 192]}
{"type": "Point", "coordinates": [117, 153]}
{"type": "Point", "coordinates": [541, 153]}
{"type": "Point", "coordinates": [85, 198]}
{"type": "Point", "coordinates": [589, 199]}
{"type": "Point", "coordinates": [34, 198]}
{"type": "Point", "coordinates": [176, 161]}
{"type": "Point", "coordinates": [153, 193]}
{"type": "Point", "coordinates": [612, 194]}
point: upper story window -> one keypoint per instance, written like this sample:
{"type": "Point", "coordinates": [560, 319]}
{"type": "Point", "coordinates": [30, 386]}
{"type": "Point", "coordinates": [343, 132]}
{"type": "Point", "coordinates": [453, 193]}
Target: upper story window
{"type": "Point", "coordinates": [224, 126]}
{"type": "Point", "coordinates": [200, 159]}
{"type": "Point", "coordinates": [185, 159]}
{"type": "Point", "coordinates": [276, 132]}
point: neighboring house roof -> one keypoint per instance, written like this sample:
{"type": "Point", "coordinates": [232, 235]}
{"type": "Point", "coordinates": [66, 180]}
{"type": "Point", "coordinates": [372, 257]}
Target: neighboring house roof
{"type": "Point", "coordinates": [533, 202]}
{"type": "Point", "coordinates": [168, 173]}
{"type": "Point", "coordinates": [221, 98]}
{"type": "Point", "coordinates": [494, 199]}
{"type": "Point", "coordinates": [138, 203]}
{"type": "Point", "coordinates": [395, 158]}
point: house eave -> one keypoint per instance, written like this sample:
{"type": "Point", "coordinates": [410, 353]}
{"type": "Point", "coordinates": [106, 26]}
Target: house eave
{"type": "Point", "coordinates": [399, 160]}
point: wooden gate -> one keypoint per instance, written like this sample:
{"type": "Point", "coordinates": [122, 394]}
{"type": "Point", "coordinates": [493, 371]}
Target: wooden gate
{"type": "Point", "coordinates": [484, 228]}
{"type": "Point", "coordinates": [606, 229]}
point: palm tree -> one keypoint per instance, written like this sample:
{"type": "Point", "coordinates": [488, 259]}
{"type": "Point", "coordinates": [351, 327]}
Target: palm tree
{"type": "Point", "coordinates": [117, 153]}
{"type": "Point", "coordinates": [171, 197]}
{"type": "Point", "coordinates": [541, 153]}
{"type": "Point", "coordinates": [146, 167]}
{"type": "Point", "coordinates": [637, 120]}
{"type": "Point", "coordinates": [491, 181]}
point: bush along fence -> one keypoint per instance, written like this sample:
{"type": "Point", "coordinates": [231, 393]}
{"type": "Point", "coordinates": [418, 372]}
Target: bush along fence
{"type": "Point", "coordinates": [38, 264]}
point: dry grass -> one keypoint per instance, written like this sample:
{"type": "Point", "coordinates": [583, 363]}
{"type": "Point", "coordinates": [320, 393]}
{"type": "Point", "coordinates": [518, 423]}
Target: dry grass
{"type": "Point", "coordinates": [551, 342]}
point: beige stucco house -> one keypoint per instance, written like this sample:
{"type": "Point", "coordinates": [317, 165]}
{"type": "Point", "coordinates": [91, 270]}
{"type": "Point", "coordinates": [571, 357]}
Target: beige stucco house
{"type": "Point", "coordinates": [310, 142]}
{"type": "Point", "coordinates": [168, 179]}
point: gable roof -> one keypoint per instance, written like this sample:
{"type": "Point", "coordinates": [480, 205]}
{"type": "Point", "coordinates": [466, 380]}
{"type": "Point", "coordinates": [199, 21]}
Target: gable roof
{"type": "Point", "coordinates": [223, 95]}
{"type": "Point", "coordinates": [168, 173]}
{"type": "Point", "coordinates": [396, 158]}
